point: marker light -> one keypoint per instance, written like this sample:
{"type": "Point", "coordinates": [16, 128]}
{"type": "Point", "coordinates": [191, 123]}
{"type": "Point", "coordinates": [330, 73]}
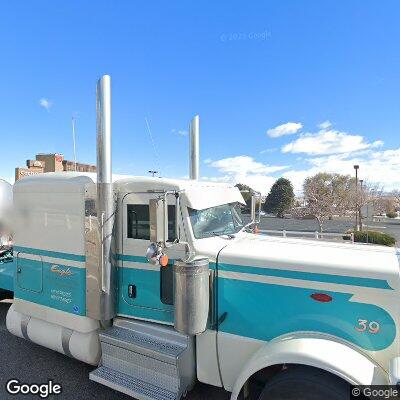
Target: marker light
{"type": "Point", "coordinates": [321, 297]}
{"type": "Point", "coordinates": [164, 260]}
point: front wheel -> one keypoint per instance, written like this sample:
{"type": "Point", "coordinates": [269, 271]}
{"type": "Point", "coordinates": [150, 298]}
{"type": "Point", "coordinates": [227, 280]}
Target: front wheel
{"type": "Point", "coordinates": [305, 383]}
{"type": "Point", "coordinates": [5, 294]}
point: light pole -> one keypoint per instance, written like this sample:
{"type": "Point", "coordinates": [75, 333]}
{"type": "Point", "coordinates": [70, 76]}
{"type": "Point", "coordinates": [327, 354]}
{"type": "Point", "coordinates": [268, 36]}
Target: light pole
{"type": "Point", "coordinates": [356, 167]}
{"type": "Point", "coordinates": [152, 172]}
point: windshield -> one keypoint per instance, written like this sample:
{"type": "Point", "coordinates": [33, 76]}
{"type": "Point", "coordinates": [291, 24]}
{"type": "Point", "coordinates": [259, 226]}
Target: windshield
{"type": "Point", "coordinates": [215, 221]}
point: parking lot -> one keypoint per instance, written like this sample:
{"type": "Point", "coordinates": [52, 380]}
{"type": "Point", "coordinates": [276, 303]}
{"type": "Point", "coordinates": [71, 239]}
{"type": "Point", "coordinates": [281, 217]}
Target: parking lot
{"type": "Point", "coordinates": [340, 225]}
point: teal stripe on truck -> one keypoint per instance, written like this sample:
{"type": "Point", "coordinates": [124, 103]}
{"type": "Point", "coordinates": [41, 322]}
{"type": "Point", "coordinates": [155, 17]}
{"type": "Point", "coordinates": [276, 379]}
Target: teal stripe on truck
{"type": "Point", "coordinates": [307, 276]}
{"type": "Point", "coordinates": [50, 253]}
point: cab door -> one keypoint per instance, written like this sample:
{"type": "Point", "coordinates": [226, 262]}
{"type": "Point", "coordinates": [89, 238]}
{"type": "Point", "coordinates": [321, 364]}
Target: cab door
{"type": "Point", "coordinates": [146, 289]}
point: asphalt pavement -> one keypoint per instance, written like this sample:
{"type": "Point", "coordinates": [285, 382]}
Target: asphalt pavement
{"type": "Point", "coordinates": [30, 363]}
{"type": "Point", "coordinates": [339, 225]}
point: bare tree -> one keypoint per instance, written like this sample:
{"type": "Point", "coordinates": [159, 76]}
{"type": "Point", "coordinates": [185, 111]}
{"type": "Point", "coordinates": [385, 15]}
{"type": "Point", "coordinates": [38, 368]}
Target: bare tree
{"type": "Point", "coordinates": [326, 195]}
{"type": "Point", "coordinates": [382, 202]}
{"type": "Point", "coordinates": [373, 194]}
{"type": "Point", "coordinates": [396, 198]}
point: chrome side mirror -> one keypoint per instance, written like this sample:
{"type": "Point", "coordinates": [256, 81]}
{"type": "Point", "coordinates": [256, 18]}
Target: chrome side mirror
{"type": "Point", "coordinates": [155, 255]}
{"type": "Point", "coordinates": [158, 213]}
{"type": "Point", "coordinates": [158, 216]}
{"type": "Point", "coordinates": [151, 254]}
{"type": "Point", "coordinates": [158, 220]}
{"type": "Point", "coordinates": [255, 210]}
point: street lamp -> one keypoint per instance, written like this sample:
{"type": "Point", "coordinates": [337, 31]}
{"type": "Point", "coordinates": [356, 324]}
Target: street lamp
{"type": "Point", "coordinates": [152, 172]}
{"type": "Point", "coordinates": [356, 167]}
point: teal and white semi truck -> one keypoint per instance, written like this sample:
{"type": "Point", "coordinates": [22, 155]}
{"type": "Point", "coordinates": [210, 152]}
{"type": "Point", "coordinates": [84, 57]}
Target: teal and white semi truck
{"type": "Point", "coordinates": [158, 284]}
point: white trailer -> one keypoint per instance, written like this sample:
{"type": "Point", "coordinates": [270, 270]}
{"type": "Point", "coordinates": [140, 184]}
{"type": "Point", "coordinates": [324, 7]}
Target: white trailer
{"type": "Point", "coordinates": [159, 284]}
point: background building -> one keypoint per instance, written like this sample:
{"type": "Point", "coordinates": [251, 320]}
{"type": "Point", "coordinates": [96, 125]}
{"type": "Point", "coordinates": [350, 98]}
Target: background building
{"type": "Point", "coordinates": [51, 163]}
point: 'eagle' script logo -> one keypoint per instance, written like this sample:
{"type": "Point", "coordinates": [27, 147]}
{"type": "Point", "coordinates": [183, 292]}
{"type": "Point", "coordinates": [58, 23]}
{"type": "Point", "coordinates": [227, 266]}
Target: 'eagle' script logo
{"type": "Point", "coordinates": [62, 272]}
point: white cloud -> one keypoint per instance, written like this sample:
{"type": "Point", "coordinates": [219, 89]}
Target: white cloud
{"type": "Point", "coordinates": [45, 103]}
{"type": "Point", "coordinates": [325, 125]}
{"type": "Point", "coordinates": [381, 167]}
{"type": "Point", "coordinates": [327, 150]}
{"type": "Point", "coordinates": [261, 183]}
{"type": "Point", "coordinates": [224, 178]}
{"type": "Point", "coordinates": [270, 150]}
{"type": "Point", "coordinates": [329, 142]}
{"type": "Point", "coordinates": [245, 164]}
{"type": "Point", "coordinates": [244, 169]}
{"type": "Point", "coordinates": [207, 161]}
{"type": "Point", "coordinates": [290, 128]}
{"type": "Point", "coordinates": [179, 132]}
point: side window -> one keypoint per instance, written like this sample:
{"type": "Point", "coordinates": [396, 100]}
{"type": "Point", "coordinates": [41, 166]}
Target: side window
{"type": "Point", "coordinates": [139, 222]}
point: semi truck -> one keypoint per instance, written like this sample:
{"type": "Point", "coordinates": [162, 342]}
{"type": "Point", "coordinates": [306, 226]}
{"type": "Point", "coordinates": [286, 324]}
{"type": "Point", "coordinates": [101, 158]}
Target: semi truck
{"type": "Point", "coordinates": [158, 283]}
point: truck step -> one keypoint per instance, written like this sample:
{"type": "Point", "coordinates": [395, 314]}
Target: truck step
{"type": "Point", "coordinates": [148, 369]}
{"type": "Point", "coordinates": [130, 385]}
{"type": "Point", "coordinates": [153, 358]}
{"type": "Point", "coordinates": [157, 341]}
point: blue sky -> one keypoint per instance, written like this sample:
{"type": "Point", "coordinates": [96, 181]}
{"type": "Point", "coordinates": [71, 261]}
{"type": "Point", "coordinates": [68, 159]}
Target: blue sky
{"type": "Point", "coordinates": [327, 74]}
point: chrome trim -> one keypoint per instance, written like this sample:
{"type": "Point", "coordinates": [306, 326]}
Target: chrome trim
{"type": "Point", "coordinates": [194, 148]}
{"type": "Point", "coordinates": [105, 195]}
{"type": "Point", "coordinates": [65, 338]}
{"type": "Point", "coordinates": [24, 326]}
{"type": "Point", "coordinates": [92, 255]}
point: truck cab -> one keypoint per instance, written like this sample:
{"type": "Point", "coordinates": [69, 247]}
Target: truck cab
{"type": "Point", "coordinates": [146, 289]}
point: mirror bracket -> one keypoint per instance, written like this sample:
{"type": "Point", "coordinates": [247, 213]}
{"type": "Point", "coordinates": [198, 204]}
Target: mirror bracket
{"type": "Point", "coordinates": [158, 215]}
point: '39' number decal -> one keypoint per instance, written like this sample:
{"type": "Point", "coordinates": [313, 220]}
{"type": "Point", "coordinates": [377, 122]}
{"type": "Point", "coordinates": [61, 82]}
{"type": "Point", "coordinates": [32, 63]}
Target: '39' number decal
{"type": "Point", "coordinates": [370, 326]}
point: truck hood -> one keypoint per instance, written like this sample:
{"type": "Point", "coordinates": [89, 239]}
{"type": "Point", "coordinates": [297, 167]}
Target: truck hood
{"type": "Point", "coordinates": [310, 260]}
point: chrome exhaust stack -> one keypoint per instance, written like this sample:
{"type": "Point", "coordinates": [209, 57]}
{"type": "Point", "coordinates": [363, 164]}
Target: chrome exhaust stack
{"type": "Point", "coordinates": [105, 196]}
{"type": "Point", "coordinates": [194, 151]}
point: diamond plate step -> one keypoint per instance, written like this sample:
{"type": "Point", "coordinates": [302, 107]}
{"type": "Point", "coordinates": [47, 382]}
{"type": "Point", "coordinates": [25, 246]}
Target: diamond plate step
{"type": "Point", "coordinates": [159, 342]}
{"type": "Point", "coordinates": [130, 385]}
{"type": "Point", "coordinates": [147, 369]}
{"type": "Point", "coordinates": [146, 360]}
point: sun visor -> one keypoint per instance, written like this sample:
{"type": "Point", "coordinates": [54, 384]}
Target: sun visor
{"type": "Point", "coordinates": [203, 197]}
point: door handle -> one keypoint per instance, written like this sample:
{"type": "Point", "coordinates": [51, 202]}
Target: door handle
{"type": "Point", "coordinates": [132, 291]}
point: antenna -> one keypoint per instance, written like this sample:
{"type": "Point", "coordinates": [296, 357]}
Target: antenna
{"type": "Point", "coordinates": [73, 139]}
{"type": "Point", "coordinates": [154, 145]}
{"type": "Point", "coordinates": [153, 172]}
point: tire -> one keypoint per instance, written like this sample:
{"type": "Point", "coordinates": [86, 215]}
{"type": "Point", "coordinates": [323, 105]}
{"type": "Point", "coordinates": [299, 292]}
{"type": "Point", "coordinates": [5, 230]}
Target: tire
{"type": "Point", "coordinates": [5, 294]}
{"type": "Point", "coordinates": [305, 383]}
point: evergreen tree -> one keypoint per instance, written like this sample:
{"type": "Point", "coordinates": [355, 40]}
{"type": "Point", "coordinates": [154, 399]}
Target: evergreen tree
{"type": "Point", "coordinates": [280, 197]}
